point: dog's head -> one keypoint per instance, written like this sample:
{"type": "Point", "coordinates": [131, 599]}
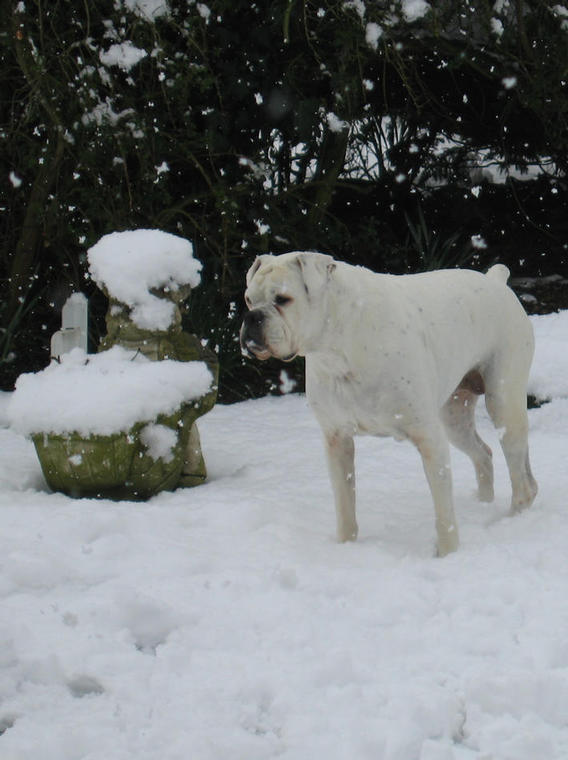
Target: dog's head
{"type": "Point", "coordinates": [285, 296]}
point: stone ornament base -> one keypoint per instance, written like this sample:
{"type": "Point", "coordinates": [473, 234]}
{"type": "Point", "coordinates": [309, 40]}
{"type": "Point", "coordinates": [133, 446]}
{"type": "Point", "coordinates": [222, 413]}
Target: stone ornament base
{"type": "Point", "coordinates": [179, 346]}
{"type": "Point", "coordinates": [116, 466]}
{"type": "Point", "coordinates": [194, 471]}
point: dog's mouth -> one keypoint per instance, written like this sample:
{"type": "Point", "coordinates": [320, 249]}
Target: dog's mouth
{"type": "Point", "coordinates": [253, 350]}
{"type": "Point", "coordinates": [255, 344]}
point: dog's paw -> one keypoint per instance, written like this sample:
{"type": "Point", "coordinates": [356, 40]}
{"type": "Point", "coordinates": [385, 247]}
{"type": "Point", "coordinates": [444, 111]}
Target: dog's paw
{"type": "Point", "coordinates": [343, 536]}
{"type": "Point", "coordinates": [485, 495]}
{"type": "Point", "coordinates": [524, 497]}
{"type": "Point", "coordinates": [448, 544]}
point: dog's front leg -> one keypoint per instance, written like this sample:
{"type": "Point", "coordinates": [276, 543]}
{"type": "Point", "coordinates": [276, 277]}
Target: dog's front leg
{"type": "Point", "coordinates": [341, 460]}
{"type": "Point", "coordinates": [434, 450]}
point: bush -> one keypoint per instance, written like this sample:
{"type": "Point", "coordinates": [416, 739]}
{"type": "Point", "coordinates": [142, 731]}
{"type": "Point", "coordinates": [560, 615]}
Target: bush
{"type": "Point", "coordinates": [350, 128]}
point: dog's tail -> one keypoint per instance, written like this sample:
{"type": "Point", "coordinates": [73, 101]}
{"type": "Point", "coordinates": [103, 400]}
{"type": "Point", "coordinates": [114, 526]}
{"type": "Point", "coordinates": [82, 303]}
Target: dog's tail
{"type": "Point", "coordinates": [498, 272]}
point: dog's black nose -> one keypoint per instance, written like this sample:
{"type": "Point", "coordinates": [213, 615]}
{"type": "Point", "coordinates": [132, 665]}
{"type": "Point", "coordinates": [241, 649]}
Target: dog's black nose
{"type": "Point", "coordinates": [253, 323]}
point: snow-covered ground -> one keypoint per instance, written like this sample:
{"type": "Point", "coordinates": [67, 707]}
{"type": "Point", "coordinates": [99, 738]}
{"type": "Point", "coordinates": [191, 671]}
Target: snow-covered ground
{"type": "Point", "coordinates": [225, 622]}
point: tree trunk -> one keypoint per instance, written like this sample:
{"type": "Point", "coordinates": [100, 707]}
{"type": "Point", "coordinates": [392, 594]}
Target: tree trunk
{"type": "Point", "coordinates": [25, 255]}
{"type": "Point", "coordinates": [330, 163]}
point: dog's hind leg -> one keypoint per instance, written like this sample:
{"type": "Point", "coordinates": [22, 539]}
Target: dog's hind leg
{"type": "Point", "coordinates": [432, 443]}
{"type": "Point", "coordinates": [507, 406]}
{"type": "Point", "coordinates": [458, 416]}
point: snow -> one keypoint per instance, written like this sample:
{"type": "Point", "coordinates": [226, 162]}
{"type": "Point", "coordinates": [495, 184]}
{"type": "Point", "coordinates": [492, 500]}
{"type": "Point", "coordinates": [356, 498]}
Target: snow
{"type": "Point", "coordinates": [125, 55]}
{"type": "Point", "coordinates": [225, 621]}
{"type": "Point", "coordinates": [335, 123]}
{"type": "Point", "coordinates": [478, 242]}
{"type": "Point", "coordinates": [103, 393]}
{"type": "Point", "coordinates": [562, 12]}
{"type": "Point", "coordinates": [204, 11]}
{"type": "Point", "coordinates": [414, 9]}
{"type": "Point", "coordinates": [15, 180]}
{"type": "Point", "coordinates": [509, 83]}
{"type": "Point", "coordinates": [373, 34]}
{"type": "Point", "coordinates": [497, 27]}
{"type": "Point", "coordinates": [147, 9]}
{"type": "Point", "coordinates": [159, 259]}
{"type": "Point", "coordinates": [103, 113]}
{"type": "Point", "coordinates": [159, 441]}
{"type": "Point", "coordinates": [549, 375]}
{"type": "Point", "coordinates": [357, 5]}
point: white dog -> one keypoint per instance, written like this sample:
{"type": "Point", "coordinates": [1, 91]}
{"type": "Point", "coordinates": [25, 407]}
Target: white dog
{"type": "Point", "coordinates": [403, 356]}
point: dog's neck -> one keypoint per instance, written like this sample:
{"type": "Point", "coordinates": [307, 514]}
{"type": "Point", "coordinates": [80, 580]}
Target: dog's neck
{"type": "Point", "coordinates": [349, 302]}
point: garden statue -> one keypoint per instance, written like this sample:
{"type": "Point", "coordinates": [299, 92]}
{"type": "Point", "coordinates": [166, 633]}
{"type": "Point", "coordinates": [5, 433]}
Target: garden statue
{"type": "Point", "coordinates": [121, 423]}
{"type": "Point", "coordinates": [144, 311]}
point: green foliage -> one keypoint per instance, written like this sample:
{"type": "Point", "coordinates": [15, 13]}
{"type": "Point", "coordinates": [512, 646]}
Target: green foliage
{"type": "Point", "coordinates": [433, 251]}
{"type": "Point", "coordinates": [348, 127]}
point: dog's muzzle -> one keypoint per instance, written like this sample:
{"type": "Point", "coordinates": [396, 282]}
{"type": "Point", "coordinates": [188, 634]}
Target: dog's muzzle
{"type": "Point", "coordinates": [252, 334]}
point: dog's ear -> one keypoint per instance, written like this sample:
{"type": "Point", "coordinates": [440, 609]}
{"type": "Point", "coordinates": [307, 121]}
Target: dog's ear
{"type": "Point", "coordinates": [315, 263]}
{"type": "Point", "coordinates": [255, 267]}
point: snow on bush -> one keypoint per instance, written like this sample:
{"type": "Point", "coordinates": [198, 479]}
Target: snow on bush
{"type": "Point", "coordinates": [124, 55]}
{"type": "Point", "coordinates": [132, 263]}
{"type": "Point", "coordinates": [414, 9]}
{"type": "Point", "coordinates": [147, 9]}
{"type": "Point", "coordinates": [373, 33]}
{"type": "Point", "coordinates": [335, 123]}
{"type": "Point", "coordinates": [102, 394]}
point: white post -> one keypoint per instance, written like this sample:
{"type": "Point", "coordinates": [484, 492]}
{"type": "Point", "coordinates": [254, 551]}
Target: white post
{"type": "Point", "coordinates": [74, 326]}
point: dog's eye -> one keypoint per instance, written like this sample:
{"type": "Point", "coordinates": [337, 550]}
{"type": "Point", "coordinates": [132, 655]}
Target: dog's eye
{"type": "Point", "coordinates": [282, 300]}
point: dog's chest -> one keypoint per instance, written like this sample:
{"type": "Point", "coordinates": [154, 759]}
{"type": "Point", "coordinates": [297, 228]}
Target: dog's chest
{"type": "Point", "coordinates": [343, 401]}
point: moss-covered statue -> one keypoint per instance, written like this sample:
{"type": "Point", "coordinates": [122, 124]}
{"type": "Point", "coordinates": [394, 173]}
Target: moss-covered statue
{"type": "Point", "coordinates": [120, 423]}
{"type": "Point", "coordinates": [147, 275]}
